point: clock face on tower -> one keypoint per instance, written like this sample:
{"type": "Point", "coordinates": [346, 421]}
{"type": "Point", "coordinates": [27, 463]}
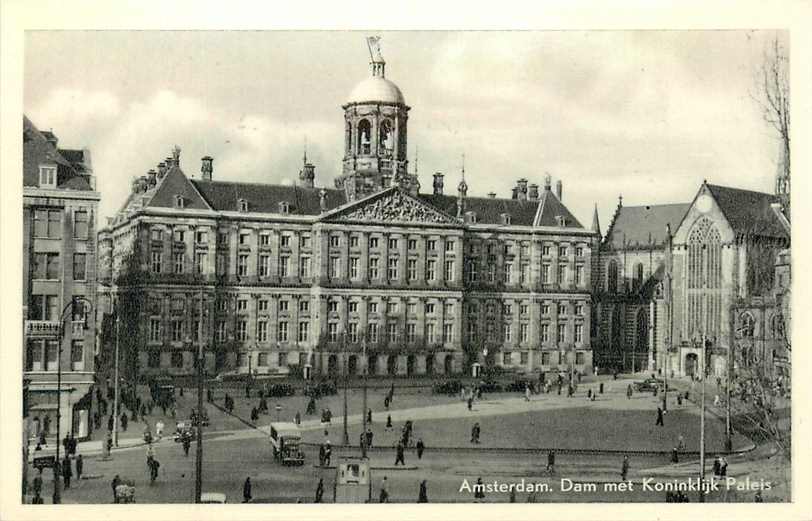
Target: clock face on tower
{"type": "Point", "coordinates": [704, 203]}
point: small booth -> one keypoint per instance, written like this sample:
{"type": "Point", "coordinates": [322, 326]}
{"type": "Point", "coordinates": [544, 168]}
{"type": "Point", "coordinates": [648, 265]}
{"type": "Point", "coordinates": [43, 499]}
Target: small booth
{"type": "Point", "coordinates": [353, 480]}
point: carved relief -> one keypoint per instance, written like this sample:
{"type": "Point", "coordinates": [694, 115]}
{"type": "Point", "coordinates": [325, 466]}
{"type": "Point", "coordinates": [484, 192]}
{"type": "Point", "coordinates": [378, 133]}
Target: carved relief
{"type": "Point", "coordinates": [397, 207]}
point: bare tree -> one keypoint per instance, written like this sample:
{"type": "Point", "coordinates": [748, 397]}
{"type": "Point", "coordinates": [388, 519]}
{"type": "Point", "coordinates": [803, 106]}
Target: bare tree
{"type": "Point", "coordinates": [773, 97]}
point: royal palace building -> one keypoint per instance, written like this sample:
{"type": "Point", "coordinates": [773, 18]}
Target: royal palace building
{"type": "Point", "coordinates": [59, 284]}
{"type": "Point", "coordinates": [373, 273]}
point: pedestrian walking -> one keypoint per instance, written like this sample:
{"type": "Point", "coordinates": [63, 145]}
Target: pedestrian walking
{"type": "Point", "coordinates": [659, 417]}
{"type": "Point", "coordinates": [589, 394]}
{"type": "Point", "coordinates": [124, 421]}
{"type": "Point", "coordinates": [114, 484]}
{"type": "Point", "coordinates": [470, 403]}
{"type": "Point", "coordinates": [321, 455]}
{"type": "Point", "coordinates": [527, 393]}
{"type": "Point", "coordinates": [758, 497]}
{"type": "Point", "coordinates": [674, 455]}
{"type": "Point", "coordinates": [369, 416]}
{"type": "Point", "coordinates": [479, 489]}
{"type": "Point", "coordinates": [420, 448]}
{"type": "Point", "coordinates": [319, 491]}
{"type": "Point", "coordinates": [159, 429]}
{"type": "Point", "coordinates": [328, 453]}
{"type": "Point", "coordinates": [80, 466]}
{"type": "Point", "coordinates": [551, 462]}
{"type": "Point", "coordinates": [717, 467]}
{"type": "Point", "coordinates": [723, 468]}
{"type": "Point", "coordinates": [681, 443]}
{"type": "Point", "coordinates": [37, 499]}
{"type": "Point", "coordinates": [388, 422]}
{"type": "Point", "coordinates": [399, 454]}
{"type": "Point", "coordinates": [679, 398]}
{"type": "Point", "coordinates": [624, 468]}
{"type": "Point", "coordinates": [629, 392]}
{"type": "Point", "coordinates": [246, 490]}
{"type": "Point", "coordinates": [512, 497]}
{"type": "Point", "coordinates": [423, 495]}
{"type": "Point", "coordinates": [384, 495]}
{"type": "Point", "coordinates": [600, 388]}
{"type": "Point", "coordinates": [46, 425]}
{"type": "Point", "coordinates": [37, 483]}
{"type": "Point", "coordinates": [153, 470]}
{"type": "Point", "coordinates": [186, 441]}
{"type": "Point", "coordinates": [67, 473]}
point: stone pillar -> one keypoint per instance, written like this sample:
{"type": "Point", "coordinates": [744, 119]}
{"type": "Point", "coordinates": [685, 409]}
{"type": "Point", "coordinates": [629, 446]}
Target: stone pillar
{"type": "Point", "coordinates": [363, 263]}
{"type": "Point", "coordinates": [274, 263]}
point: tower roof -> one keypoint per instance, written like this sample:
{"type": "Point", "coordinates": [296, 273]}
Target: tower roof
{"type": "Point", "coordinates": [376, 88]}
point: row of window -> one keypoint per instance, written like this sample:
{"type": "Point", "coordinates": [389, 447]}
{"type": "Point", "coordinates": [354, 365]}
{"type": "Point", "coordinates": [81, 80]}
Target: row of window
{"type": "Point", "coordinates": [562, 308]}
{"type": "Point", "coordinates": [507, 274]}
{"type": "Point", "coordinates": [47, 266]}
{"type": "Point", "coordinates": [524, 249]}
{"type": "Point", "coordinates": [392, 334]}
{"type": "Point", "coordinates": [177, 331]}
{"type": "Point", "coordinates": [48, 223]}
{"type": "Point", "coordinates": [176, 359]}
{"type": "Point", "coordinates": [506, 334]}
{"type": "Point", "coordinates": [41, 355]}
{"type": "Point", "coordinates": [47, 307]}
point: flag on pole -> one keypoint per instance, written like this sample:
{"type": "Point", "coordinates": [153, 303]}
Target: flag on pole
{"type": "Point", "coordinates": [374, 44]}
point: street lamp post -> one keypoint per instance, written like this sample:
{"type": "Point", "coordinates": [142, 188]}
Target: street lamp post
{"type": "Point", "coordinates": [200, 363]}
{"type": "Point", "coordinates": [346, 378]}
{"type": "Point", "coordinates": [115, 385]}
{"type": "Point", "coordinates": [364, 411]}
{"type": "Point", "coordinates": [57, 497]}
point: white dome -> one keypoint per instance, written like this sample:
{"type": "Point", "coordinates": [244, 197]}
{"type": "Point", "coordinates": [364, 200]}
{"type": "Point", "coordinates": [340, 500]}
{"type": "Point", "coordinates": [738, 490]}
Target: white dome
{"type": "Point", "coordinates": [376, 88]}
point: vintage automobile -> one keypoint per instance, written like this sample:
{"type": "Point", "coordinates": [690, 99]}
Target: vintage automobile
{"type": "Point", "coordinates": [184, 429]}
{"type": "Point", "coordinates": [648, 385]}
{"type": "Point", "coordinates": [285, 438]}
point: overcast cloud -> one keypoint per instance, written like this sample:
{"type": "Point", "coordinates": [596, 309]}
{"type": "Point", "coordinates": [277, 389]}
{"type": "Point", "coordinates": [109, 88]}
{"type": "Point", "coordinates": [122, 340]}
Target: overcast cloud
{"type": "Point", "coordinates": [646, 114]}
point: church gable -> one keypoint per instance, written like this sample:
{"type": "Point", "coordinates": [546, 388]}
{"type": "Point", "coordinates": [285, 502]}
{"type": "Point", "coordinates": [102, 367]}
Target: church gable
{"type": "Point", "coordinates": [392, 206]}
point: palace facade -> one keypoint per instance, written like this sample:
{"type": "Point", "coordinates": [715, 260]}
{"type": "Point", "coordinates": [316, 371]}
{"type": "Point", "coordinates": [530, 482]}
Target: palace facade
{"type": "Point", "coordinates": [372, 273]}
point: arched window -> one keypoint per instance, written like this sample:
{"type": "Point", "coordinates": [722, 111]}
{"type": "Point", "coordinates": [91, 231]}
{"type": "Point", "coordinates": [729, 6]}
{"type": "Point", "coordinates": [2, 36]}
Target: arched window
{"type": "Point", "coordinates": [612, 277]}
{"type": "Point", "coordinates": [748, 325]}
{"type": "Point", "coordinates": [704, 280]}
{"type": "Point", "coordinates": [642, 330]}
{"type": "Point", "coordinates": [387, 138]}
{"type": "Point", "coordinates": [364, 137]}
{"type": "Point", "coordinates": [638, 275]}
{"type": "Point", "coordinates": [615, 333]}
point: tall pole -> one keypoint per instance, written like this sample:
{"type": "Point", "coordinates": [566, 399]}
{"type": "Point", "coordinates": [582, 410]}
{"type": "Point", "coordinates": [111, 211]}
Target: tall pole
{"type": "Point", "coordinates": [729, 381]}
{"type": "Point", "coordinates": [344, 356]}
{"type": "Point", "coordinates": [200, 362]}
{"type": "Point", "coordinates": [115, 384]}
{"type": "Point", "coordinates": [702, 426]}
{"type": "Point", "coordinates": [57, 498]}
{"type": "Point", "coordinates": [364, 411]}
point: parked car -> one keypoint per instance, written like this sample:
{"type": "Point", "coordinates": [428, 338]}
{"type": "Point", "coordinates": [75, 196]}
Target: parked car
{"type": "Point", "coordinates": [285, 438]}
{"type": "Point", "coordinates": [648, 385]}
{"type": "Point", "coordinates": [185, 429]}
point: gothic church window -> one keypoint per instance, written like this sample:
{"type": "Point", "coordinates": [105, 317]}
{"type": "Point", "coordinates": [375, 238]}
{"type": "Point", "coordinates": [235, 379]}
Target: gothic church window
{"type": "Point", "coordinates": [612, 277]}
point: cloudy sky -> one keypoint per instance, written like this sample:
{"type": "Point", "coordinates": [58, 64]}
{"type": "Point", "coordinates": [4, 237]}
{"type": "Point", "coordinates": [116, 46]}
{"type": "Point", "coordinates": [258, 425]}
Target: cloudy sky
{"type": "Point", "coordinates": [646, 114]}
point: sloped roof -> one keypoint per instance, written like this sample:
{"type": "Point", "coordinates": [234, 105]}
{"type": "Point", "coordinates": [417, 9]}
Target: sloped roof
{"type": "Point", "coordinates": [38, 150]}
{"type": "Point", "coordinates": [265, 198]}
{"type": "Point", "coordinates": [522, 212]}
{"type": "Point", "coordinates": [641, 225]}
{"type": "Point", "coordinates": [749, 212]}
{"type": "Point", "coordinates": [176, 183]}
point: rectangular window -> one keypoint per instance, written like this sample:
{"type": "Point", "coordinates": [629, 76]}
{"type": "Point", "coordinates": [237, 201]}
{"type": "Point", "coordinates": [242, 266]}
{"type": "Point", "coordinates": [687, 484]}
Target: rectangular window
{"type": "Point", "coordinates": [411, 333]}
{"type": "Point", "coordinates": [392, 332]}
{"type": "Point", "coordinates": [373, 242]}
{"type": "Point", "coordinates": [372, 333]}
{"type": "Point", "coordinates": [562, 333]}
{"type": "Point", "coordinates": [242, 330]}
{"type": "Point", "coordinates": [352, 332]}
{"type": "Point", "coordinates": [373, 307]}
{"type": "Point", "coordinates": [284, 241]}
{"type": "Point", "coordinates": [411, 308]}
{"type": "Point", "coordinates": [449, 270]}
{"type": "Point", "coordinates": [506, 332]}
{"type": "Point", "coordinates": [353, 241]}
{"type": "Point", "coordinates": [490, 331]}
{"type": "Point", "coordinates": [283, 306]}
{"type": "Point", "coordinates": [545, 309]}
{"type": "Point", "coordinates": [545, 250]}
{"type": "Point", "coordinates": [431, 245]}
{"type": "Point", "coordinates": [491, 270]}
{"type": "Point", "coordinates": [177, 360]}
{"type": "Point", "coordinates": [304, 306]}
{"type": "Point", "coordinates": [431, 333]}
{"type": "Point", "coordinates": [579, 274]}
{"type": "Point", "coordinates": [448, 333]}
{"type": "Point", "coordinates": [373, 268]}
{"type": "Point", "coordinates": [46, 266]}
{"type": "Point", "coordinates": [393, 244]}
{"type": "Point", "coordinates": [264, 265]}
{"type": "Point", "coordinates": [525, 250]}
{"type": "Point", "coordinates": [579, 358]}
{"type": "Point", "coordinates": [448, 309]}
{"type": "Point", "coordinates": [77, 355]}
{"type": "Point", "coordinates": [304, 266]}
{"type": "Point", "coordinates": [562, 251]}
{"type": "Point", "coordinates": [222, 238]}
{"type": "Point", "coordinates": [412, 269]}
{"type": "Point", "coordinates": [262, 331]}
{"type": "Point", "coordinates": [579, 333]}
{"type": "Point", "coordinates": [334, 241]}
{"type": "Point", "coordinates": [282, 332]}
{"type": "Point", "coordinates": [157, 260]}
{"type": "Point", "coordinates": [472, 331]}
{"type": "Point", "coordinates": [429, 308]}
{"type": "Point", "coordinates": [391, 307]}
{"type": "Point", "coordinates": [524, 274]}
{"type": "Point", "coordinates": [242, 304]}
{"type": "Point", "coordinates": [508, 273]}
{"type": "Point", "coordinates": [154, 359]}
{"type": "Point", "coordinates": [506, 358]}
{"type": "Point", "coordinates": [283, 265]}
{"type": "Point", "coordinates": [221, 263]}
{"type": "Point", "coordinates": [55, 224]}
{"type": "Point", "coordinates": [525, 358]}
{"type": "Point", "coordinates": [545, 333]}
{"type": "Point", "coordinates": [545, 273]}
{"type": "Point", "coordinates": [40, 223]}
{"type": "Point", "coordinates": [265, 239]}
{"type": "Point", "coordinates": [335, 267]}
{"type": "Point", "coordinates": [47, 176]}
{"type": "Point", "coordinates": [222, 305]}
{"type": "Point", "coordinates": [332, 332]}
{"type": "Point", "coordinates": [412, 244]}
{"type": "Point", "coordinates": [304, 241]}
{"type": "Point", "coordinates": [80, 224]}
{"type": "Point", "coordinates": [201, 237]}
{"type": "Point", "coordinates": [507, 309]}
{"type": "Point", "coordinates": [180, 235]}
{"type": "Point", "coordinates": [392, 269]}
{"type": "Point", "coordinates": [579, 251]}
{"type": "Point", "coordinates": [304, 327]}
{"type": "Point", "coordinates": [263, 306]}
{"type": "Point", "coordinates": [79, 266]}
{"type": "Point", "coordinates": [579, 309]}
{"type": "Point", "coordinates": [523, 332]}
{"type": "Point", "coordinates": [177, 262]}
{"type": "Point", "coordinates": [220, 331]}
{"type": "Point", "coordinates": [523, 308]}
{"type": "Point", "coordinates": [545, 358]}
{"type": "Point", "coordinates": [353, 306]}
{"type": "Point", "coordinates": [154, 330]}
{"type": "Point", "coordinates": [262, 359]}
{"type": "Point", "coordinates": [283, 359]}
{"type": "Point", "coordinates": [200, 262]}
{"type": "Point", "coordinates": [177, 331]}
{"type": "Point", "coordinates": [472, 270]}
{"type": "Point", "coordinates": [449, 246]}
{"type": "Point", "coordinates": [562, 309]}
{"type": "Point", "coordinates": [431, 269]}
{"type": "Point", "coordinates": [354, 268]}
{"type": "Point", "coordinates": [332, 306]}
{"type": "Point", "coordinates": [562, 274]}
{"type": "Point", "coordinates": [242, 265]}
{"type": "Point", "coordinates": [245, 238]}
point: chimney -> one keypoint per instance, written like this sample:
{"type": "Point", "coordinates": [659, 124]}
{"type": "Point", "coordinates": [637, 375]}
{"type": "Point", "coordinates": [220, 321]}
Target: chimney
{"type": "Point", "coordinates": [521, 189]}
{"type": "Point", "coordinates": [533, 194]}
{"type": "Point", "coordinates": [135, 185]}
{"type": "Point", "coordinates": [161, 170]}
{"type": "Point", "coordinates": [151, 181]}
{"type": "Point", "coordinates": [513, 192]}
{"type": "Point", "coordinates": [547, 181]}
{"type": "Point", "coordinates": [323, 200]}
{"type": "Point", "coordinates": [559, 189]}
{"type": "Point", "coordinates": [51, 138]}
{"type": "Point", "coordinates": [169, 163]}
{"type": "Point", "coordinates": [206, 168]}
{"type": "Point", "coordinates": [438, 183]}
{"type": "Point", "coordinates": [491, 195]}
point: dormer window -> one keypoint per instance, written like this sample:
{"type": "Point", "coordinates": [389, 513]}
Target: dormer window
{"type": "Point", "coordinates": [284, 207]}
{"type": "Point", "coordinates": [179, 203]}
{"type": "Point", "coordinates": [47, 176]}
{"type": "Point", "coordinates": [243, 205]}
{"type": "Point", "coordinates": [506, 219]}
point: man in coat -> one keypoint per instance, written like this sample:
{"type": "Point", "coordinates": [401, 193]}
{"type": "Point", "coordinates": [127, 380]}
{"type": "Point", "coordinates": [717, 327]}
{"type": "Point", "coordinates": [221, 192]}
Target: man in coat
{"type": "Point", "coordinates": [319, 491]}
{"type": "Point", "coordinates": [420, 448]}
{"type": "Point", "coordinates": [423, 495]}
{"type": "Point", "coordinates": [67, 472]}
{"type": "Point", "coordinates": [80, 465]}
{"type": "Point", "coordinates": [384, 495]}
{"type": "Point", "coordinates": [624, 468]}
{"type": "Point", "coordinates": [399, 456]}
{"type": "Point", "coordinates": [246, 490]}
{"type": "Point", "coordinates": [659, 417]}
{"type": "Point", "coordinates": [551, 462]}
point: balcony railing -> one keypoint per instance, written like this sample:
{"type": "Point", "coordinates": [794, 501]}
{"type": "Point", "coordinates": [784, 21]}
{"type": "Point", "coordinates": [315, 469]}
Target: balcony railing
{"type": "Point", "coordinates": [41, 328]}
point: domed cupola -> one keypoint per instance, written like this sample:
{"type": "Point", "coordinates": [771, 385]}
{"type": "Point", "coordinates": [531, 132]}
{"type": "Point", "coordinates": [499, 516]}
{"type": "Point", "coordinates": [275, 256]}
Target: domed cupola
{"type": "Point", "coordinates": [375, 118]}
